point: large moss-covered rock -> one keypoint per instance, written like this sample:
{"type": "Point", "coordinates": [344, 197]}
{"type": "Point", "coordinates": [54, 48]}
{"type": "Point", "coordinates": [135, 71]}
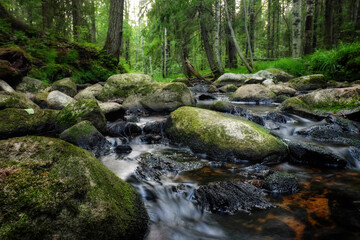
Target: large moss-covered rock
{"type": "Point", "coordinates": [253, 92]}
{"type": "Point", "coordinates": [66, 85]}
{"type": "Point", "coordinates": [41, 99]}
{"type": "Point", "coordinates": [90, 92]}
{"type": "Point", "coordinates": [51, 189]}
{"type": "Point", "coordinates": [57, 100]}
{"type": "Point", "coordinates": [85, 135]}
{"type": "Point", "coordinates": [224, 137]}
{"type": "Point", "coordinates": [281, 89]}
{"type": "Point", "coordinates": [18, 122]}
{"type": "Point", "coordinates": [275, 74]}
{"type": "Point", "coordinates": [124, 85]}
{"type": "Point", "coordinates": [231, 78]}
{"type": "Point", "coordinates": [31, 85]}
{"type": "Point", "coordinates": [169, 97]}
{"type": "Point", "coordinates": [319, 104]}
{"type": "Point", "coordinates": [310, 82]}
{"type": "Point", "coordinates": [15, 100]}
{"type": "Point", "coordinates": [84, 109]}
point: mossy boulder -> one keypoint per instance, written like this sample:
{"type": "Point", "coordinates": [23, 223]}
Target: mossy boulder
{"type": "Point", "coordinates": [112, 110]}
{"type": "Point", "coordinates": [253, 92]}
{"type": "Point", "coordinates": [221, 106]}
{"type": "Point", "coordinates": [16, 122]}
{"type": "Point", "coordinates": [183, 80]}
{"type": "Point", "coordinates": [212, 89]}
{"type": "Point", "coordinates": [319, 104]}
{"type": "Point", "coordinates": [58, 100]}
{"type": "Point", "coordinates": [41, 99]}
{"type": "Point", "coordinates": [124, 85]}
{"type": "Point", "coordinates": [66, 85]}
{"type": "Point", "coordinates": [228, 88]}
{"type": "Point", "coordinates": [281, 89]}
{"type": "Point", "coordinates": [310, 82]}
{"type": "Point", "coordinates": [168, 97]}
{"type": "Point", "coordinates": [224, 137]}
{"type": "Point", "coordinates": [276, 74]}
{"type": "Point", "coordinates": [31, 85]}
{"type": "Point", "coordinates": [85, 135]}
{"type": "Point", "coordinates": [75, 112]}
{"type": "Point", "coordinates": [15, 100]}
{"type": "Point", "coordinates": [52, 189]}
{"type": "Point", "coordinates": [90, 92]}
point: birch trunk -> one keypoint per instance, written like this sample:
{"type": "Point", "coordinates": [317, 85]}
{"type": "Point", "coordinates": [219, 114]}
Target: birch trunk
{"type": "Point", "coordinates": [296, 11]}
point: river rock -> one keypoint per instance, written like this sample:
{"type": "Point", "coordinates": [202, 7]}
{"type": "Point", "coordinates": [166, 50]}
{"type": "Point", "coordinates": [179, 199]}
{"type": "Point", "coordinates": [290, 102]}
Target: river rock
{"type": "Point", "coordinates": [224, 137]}
{"type": "Point", "coordinates": [15, 100]}
{"type": "Point", "coordinates": [228, 88]}
{"type": "Point", "coordinates": [153, 165]}
{"type": "Point", "coordinates": [83, 109]}
{"type": "Point", "coordinates": [4, 86]}
{"type": "Point", "coordinates": [231, 78]}
{"type": "Point", "coordinates": [123, 129]}
{"type": "Point", "coordinates": [281, 182]}
{"type": "Point", "coordinates": [18, 122]}
{"type": "Point", "coordinates": [31, 85]}
{"type": "Point", "coordinates": [154, 127]}
{"type": "Point", "coordinates": [53, 189]}
{"type": "Point", "coordinates": [90, 92]}
{"type": "Point", "coordinates": [66, 85]}
{"type": "Point", "coordinates": [310, 82]}
{"type": "Point", "coordinates": [56, 100]}
{"type": "Point", "coordinates": [14, 65]}
{"type": "Point", "coordinates": [204, 97]}
{"type": "Point", "coordinates": [253, 92]}
{"type": "Point", "coordinates": [318, 156]}
{"type": "Point", "coordinates": [321, 103]}
{"type": "Point", "coordinates": [86, 136]}
{"type": "Point", "coordinates": [231, 197]}
{"type": "Point", "coordinates": [124, 85]}
{"type": "Point", "coordinates": [212, 89]}
{"type": "Point", "coordinates": [183, 80]}
{"type": "Point", "coordinates": [112, 110]}
{"type": "Point", "coordinates": [123, 149]}
{"type": "Point", "coordinates": [276, 74]}
{"type": "Point", "coordinates": [281, 89]}
{"type": "Point", "coordinates": [168, 97]}
{"type": "Point", "coordinates": [41, 99]}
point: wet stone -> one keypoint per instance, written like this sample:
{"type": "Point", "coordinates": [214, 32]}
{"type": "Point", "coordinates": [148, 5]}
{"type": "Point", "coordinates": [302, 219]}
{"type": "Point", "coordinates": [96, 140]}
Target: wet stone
{"type": "Point", "coordinates": [231, 197]}
{"type": "Point", "coordinates": [281, 182]}
{"type": "Point", "coordinates": [123, 129]}
{"type": "Point", "coordinates": [123, 149]}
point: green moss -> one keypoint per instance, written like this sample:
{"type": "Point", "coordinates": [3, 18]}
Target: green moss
{"type": "Point", "coordinates": [66, 85]}
{"type": "Point", "coordinates": [75, 133]}
{"type": "Point", "coordinates": [220, 134]}
{"type": "Point", "coordinates": [294, 103]}
{"type": "Point", "coordinates": [15, 100]}
{"type": "Point", "coordinates": [83, 109]}
{"type": "Point", "coordinates": [53, 188]}
{"type": "Point", "coordinates": [17, 122]}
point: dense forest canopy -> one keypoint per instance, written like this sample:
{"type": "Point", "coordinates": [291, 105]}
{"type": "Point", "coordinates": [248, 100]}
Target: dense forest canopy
{"type": "Point", "coordinates": [158, 36]}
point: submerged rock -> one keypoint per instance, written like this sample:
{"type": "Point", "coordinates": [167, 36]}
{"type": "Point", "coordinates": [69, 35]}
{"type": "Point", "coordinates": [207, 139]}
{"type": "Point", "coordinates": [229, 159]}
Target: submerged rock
{"type": "Point", "coordinates": [224, 137]}
{"type": "Point", "coordinates": [253, 92]}
{"type": "Point", "coordinates": [308, 154]}
{"type": "Point", "coordinates": [86, 136]}
{"type": "Point", "coordinates": [53, 189]}
{"type": "Point", "coordinates": [281, 182]}
{"type": "Point", "coordinates": [83, 109]}
{"type": "Point", "coordinates": [66, 85]}
{"type": "Point", "coordinates": [228, 88]}
{"type": "Point", "coordinates": [15, 100]}
{"type": "Point", "coordinates": [153, 165]}
{"type": "Point", "coordinates": [320, 104]}
{"type": "Point", "coordinates": [310, 82]}
{"type": "Point", "coordinates": [123, 129]}
{"type": "Point", "coordinates": [231, 197]}
{"type": "Point", "coordinates": [18, 122]}
{"type": "Point", "coordinates": [203, 97]}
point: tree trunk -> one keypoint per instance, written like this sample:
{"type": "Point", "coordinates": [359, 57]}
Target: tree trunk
{"type": "Point", "coordinates": [184, 54]}
{"type": "Point", "coordinates": [329, 20]}
{"type": "Point", "coordinates": [296, 11]}
{"type": "Point", "coordinates": [47, 14]}
{"type": "Point", "coordinates": [247, 35]}
{"type": "Point", "coordinates": [217, 37]}
{"type": "Point", "coordinates": [235, 41]}
{"type": "Point", "coordinates": [77, 18]}
{"type": "Point", "coordinates": [316, 22]}
{"type": "Point", "coordinates": [115, 30]}
{"type": "Point", "coordinates": [355, 12]}
{"type": "Point", "coordinates": [309, 27]}
{"type": "Point", "coordinates": [206, 42]}
{"type": "Point", "coordinates": [252, 25]}
{"type": "Point", "coordinates": [231, 61]}
{"type": "Point", "coordinates": [15, 24]}
{"type": "Point", "coordinates": [268, 48]}
{"type": "Point", "coordinates": [93, 21]}
{"type": "Point", "coordinates": [165, 52]}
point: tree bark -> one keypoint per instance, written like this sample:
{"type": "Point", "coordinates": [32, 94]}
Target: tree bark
{"type": "Point", "coordinates": [115, 30]}
{"type": "Point", "coordinates": [249, 68]}
{"type": "Point", "coordinates": [217, 38]}
{"type": "Point", "coordinates": [77, 18]}
{"type": "Point", "coordinates": [93, 21]}
{"type": "Point", "coordinates": [268, 28]}
{"type": "Point", "coordinates": [329, 21]}
{"type": "Point", "coordinates": [231, 61]}
{"type": "Point", "coordinates": [252, 25]}
{"type": "Point", "coordinates": [206, 42]}
{"type": "Point", "coordinates": [296, 11]}
{"type": "Point", "coordinates": [308, 49]}
{"type": "Point", "coordinates": [316, 22]}
{"type": "Point", "coordinates": [247, 35]}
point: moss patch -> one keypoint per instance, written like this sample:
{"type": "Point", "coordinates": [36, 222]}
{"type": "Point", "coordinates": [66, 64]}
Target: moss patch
{"type": "Point", "coordinates": [52, 188]}
{"type": "Point", "coordinates": [15, 100]}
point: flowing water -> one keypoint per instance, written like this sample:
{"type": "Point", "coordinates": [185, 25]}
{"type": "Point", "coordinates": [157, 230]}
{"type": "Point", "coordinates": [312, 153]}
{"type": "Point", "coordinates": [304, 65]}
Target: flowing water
{"type": "Point", "coordinates": [326, 207]}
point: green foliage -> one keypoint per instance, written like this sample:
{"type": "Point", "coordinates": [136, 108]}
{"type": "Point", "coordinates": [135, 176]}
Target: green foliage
{"type": "Point", "coordinates": [341, 63]}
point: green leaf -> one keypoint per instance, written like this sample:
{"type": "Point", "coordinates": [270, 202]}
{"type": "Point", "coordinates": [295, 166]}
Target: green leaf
{"type": "Point", "coordinates": [30, 111]}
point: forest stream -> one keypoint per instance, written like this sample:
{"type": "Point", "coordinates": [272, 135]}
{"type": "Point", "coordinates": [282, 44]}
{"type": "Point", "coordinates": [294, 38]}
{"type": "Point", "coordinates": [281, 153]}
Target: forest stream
{"type": "Point", "coordinates": [321, 208]}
